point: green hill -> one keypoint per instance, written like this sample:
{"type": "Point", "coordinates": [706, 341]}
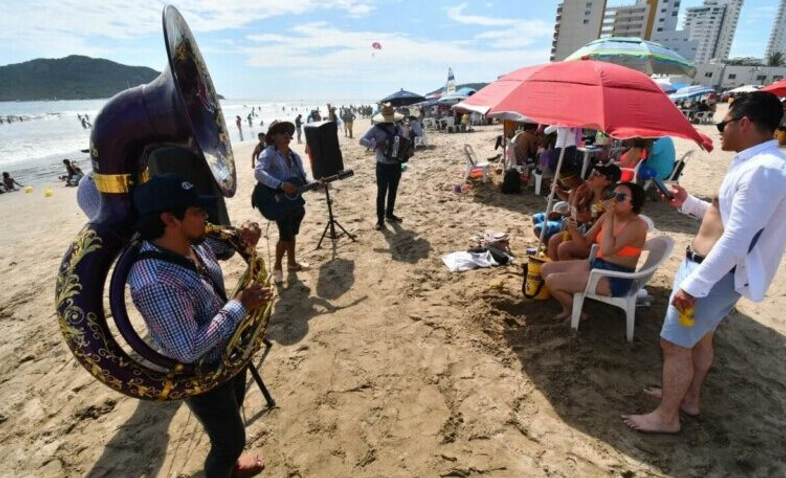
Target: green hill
{"type": "Point", "coordinates": [70, 78]}
{"type": "Point", "coordinates": [474, 86]}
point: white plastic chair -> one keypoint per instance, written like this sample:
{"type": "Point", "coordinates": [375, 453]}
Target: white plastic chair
{"type": "Point", "coordinates": [449, 123]}
{"type": "Point", "coordinates": [659, 249]}
{"type": "Point", "coordinates": [473, 163]}
{"type": "Point", "coordinates": [421, 140]}
{"type": "Point", "coordinates": [429, 123]}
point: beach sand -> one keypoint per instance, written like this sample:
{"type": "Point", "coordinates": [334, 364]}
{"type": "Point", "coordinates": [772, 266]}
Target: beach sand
{"type": "Point", "coordinates": [385, 364]}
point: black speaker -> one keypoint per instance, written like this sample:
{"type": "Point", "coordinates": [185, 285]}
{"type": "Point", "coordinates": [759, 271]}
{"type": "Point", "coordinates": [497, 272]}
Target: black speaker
{"type": "Point", "coordinates": [322, 141]}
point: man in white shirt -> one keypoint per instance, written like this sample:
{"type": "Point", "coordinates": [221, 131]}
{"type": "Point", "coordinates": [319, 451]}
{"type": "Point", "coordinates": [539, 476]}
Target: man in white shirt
{"type": "Point", "coordinates": [735, 253]}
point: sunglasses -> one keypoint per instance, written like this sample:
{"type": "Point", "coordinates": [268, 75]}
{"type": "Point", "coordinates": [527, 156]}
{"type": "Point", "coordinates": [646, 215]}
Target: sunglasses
{"type": "Point", "coordinates": [620, 197]}
{"type": "Point", "coordinates": [722, 125]}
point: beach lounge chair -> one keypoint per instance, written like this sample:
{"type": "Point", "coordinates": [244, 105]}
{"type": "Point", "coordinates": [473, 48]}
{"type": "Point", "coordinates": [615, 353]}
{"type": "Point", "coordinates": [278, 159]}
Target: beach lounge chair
{"type": "Point", "coordinates": [474, 165]}
{"type": "Point", "coordinates": [658, 248]}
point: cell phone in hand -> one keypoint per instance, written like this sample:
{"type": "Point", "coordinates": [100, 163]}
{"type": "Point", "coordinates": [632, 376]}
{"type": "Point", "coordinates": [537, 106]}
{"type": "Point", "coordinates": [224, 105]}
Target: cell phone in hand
{"type": "Point", "coordinates": [663, 188]}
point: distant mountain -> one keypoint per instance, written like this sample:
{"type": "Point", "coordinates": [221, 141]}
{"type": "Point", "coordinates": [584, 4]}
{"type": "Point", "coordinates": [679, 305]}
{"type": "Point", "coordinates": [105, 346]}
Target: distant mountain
{"type": "Point", "coordinates": [474, 86]}
{"type": "Point", "coordinates": [71, 78]}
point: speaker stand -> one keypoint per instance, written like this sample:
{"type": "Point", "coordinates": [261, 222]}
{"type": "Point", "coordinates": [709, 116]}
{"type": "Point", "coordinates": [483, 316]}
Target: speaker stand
{"type": "Point", "coordinates": [332, 222]}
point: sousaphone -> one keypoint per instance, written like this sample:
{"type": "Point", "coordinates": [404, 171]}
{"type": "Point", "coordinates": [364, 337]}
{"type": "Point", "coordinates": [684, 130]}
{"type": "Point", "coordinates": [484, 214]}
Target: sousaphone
{"type": "Point", "coordinates": [172, 124]}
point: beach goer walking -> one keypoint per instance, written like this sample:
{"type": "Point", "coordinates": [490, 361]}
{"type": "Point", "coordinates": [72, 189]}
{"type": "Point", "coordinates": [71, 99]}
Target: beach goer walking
{"type": "Point", "coordinates": [388, 171]}
{"type": "Point", "coordinates": [299, 127]}
{"type": "Point", "coordinates": [187, 313]}
{"type": "Point", "coordinates": [278, 163]}
{"type": "Point", "coordinates": [349, 121]}
{"type": "Point", "coordinates": [257, 149]}
{"type": "Point", "coordinates": [239, 124]}
{"type": "Point", "coordinates": [736, 253]}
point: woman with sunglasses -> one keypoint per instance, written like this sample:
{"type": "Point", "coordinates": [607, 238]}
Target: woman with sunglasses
{"type": "Point", "coordinates": [620, 233]}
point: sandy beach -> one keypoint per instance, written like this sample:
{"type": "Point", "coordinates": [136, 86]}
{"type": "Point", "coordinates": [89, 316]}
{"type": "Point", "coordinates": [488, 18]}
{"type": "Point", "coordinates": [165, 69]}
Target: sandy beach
{"type": "Point", "coordinates": [385, 364]}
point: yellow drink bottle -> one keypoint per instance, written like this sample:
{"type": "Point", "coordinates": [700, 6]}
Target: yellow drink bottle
{"type": "Point", "coordinates": [686, 317]}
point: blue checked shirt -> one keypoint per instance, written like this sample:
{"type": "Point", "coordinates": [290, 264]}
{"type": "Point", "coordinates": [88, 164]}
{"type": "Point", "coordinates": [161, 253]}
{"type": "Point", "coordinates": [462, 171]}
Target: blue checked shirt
{"type": "Point", "coordinates": [186, 318]}
{"type": "Point", "coordinates": [272, 169]}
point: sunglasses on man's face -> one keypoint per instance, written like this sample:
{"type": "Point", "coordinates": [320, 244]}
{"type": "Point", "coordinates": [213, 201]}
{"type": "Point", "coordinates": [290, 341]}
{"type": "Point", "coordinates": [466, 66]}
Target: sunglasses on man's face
{"type": "Point", "coordinates": [722, 125]}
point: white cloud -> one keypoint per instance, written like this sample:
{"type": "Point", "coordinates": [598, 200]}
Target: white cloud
{"type": "Point", "coordinates": [319, 50]}
{"type": "Point", "coordinates": [456, 14]}
{"type": "Point", "coordinates": [522, 34]}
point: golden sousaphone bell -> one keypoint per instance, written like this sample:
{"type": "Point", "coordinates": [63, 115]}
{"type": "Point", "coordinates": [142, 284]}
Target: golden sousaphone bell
{"type": "Point", "coordinates": [172, 124]}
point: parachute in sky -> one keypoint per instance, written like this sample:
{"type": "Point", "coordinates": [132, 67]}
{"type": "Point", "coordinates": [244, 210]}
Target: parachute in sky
{"type": "Point", "coordinates": [377, 46]}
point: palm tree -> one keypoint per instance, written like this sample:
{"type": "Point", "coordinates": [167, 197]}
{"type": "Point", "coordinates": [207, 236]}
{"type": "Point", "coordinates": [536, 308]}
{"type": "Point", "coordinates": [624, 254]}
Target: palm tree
{"type": "Point", "coordinates": [776, 59]}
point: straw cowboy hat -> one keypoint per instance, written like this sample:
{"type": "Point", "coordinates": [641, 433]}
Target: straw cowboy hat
{"type": "Point", "coordinates": [387, 115]}
{"type": "Point", "coordinates": [279, 126]}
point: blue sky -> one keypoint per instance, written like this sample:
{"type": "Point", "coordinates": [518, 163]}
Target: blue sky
{"type": "Point", "coordinates": [317, 49]}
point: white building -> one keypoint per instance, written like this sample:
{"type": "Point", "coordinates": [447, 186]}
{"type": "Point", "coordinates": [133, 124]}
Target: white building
{"type": "Point", "coordinates": [723, 77]}
{"type": "Point", "coordinates": [631, 21]}
{"type": "Point", "coordinates": [667, 12]}
{"type": "Point", "coordinates": [778, 35]}
{"type": "Point", "coordinates": [680, 42]}
{"type": "Point", "coordinates": [712, 26]}
{"type": "Point", "coordinates": [578, 22]}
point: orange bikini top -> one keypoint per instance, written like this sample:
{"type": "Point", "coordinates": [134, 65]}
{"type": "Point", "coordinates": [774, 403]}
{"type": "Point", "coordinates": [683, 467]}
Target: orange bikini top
{"type": "Point", "coordinates": [625, 251]}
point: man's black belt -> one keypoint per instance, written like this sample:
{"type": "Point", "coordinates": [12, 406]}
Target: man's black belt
{"type": "Point", "coordinates": [693, 256]}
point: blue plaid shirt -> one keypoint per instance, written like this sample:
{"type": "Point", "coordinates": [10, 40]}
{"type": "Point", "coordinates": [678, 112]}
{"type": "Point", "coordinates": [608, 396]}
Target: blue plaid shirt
{"type": "Point", "coordinates": [187, 319]}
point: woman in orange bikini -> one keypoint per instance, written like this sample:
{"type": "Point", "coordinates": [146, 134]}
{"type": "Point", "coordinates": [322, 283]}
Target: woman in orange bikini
{"type": "Point", "coordinates": [620, 233]}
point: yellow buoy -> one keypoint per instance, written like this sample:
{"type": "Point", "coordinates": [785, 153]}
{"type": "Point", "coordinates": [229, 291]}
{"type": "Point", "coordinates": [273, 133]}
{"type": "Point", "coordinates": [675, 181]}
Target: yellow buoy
{"type": "Point", "coordinates": [48, 193]}
{"type": "Point", "coordinates": [28, 189]}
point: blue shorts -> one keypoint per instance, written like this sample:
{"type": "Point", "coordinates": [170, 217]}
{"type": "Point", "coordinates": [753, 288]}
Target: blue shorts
{"type": "Point", "coordinates": [552, 226]}
{"type": "Point", "coordinates": [708, 312]}
{"type": "Point", "coordinates": [619, 287]}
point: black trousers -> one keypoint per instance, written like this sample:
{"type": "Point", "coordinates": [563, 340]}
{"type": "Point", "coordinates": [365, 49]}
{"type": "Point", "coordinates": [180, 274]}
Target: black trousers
{"type": "Point", "coordinates": [388, 176]}
{"type": "Point", "coordinates": [219, 412]}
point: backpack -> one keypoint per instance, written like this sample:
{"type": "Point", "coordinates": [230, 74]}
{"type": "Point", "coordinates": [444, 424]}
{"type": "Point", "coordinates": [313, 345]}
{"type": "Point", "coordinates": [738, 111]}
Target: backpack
{"type": "Point", "coordinates": [511, 182]}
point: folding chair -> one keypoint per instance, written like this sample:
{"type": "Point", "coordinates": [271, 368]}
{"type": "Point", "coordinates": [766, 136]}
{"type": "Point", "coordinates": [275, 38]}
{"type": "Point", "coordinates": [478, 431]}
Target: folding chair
{"type": "Point", "coordinates": [658, 248]}
{"type": "Point", "coordinates": [473, 164]}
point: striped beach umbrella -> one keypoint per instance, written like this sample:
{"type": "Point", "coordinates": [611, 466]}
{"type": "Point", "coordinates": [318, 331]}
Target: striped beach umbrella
{"type": "Point", "coordinates": [641, 55]}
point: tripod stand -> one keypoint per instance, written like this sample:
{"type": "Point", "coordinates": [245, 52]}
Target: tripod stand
{"type": "Point", "coordinates": [332, 222]}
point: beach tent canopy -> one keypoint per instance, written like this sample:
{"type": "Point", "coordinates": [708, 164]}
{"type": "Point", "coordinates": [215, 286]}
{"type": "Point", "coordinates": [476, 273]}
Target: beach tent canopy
{"type": "Point", "coordinates": [744, 89]}
{"type": "Point", "coordinates": [456, 97]}
{"type": "Point", "coordinates": [641, 55]}
{"type": "Point", "coordinates": [778, 88]}
{"type": "Point", "coordinates": [403, 98]}
{"type": "Point", "coordinates": [666, 85]}
{"type": "Point", "coordinates": [689, 92]}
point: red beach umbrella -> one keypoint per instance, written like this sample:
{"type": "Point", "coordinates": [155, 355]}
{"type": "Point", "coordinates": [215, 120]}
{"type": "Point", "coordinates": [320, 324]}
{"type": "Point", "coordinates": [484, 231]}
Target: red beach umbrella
{"type": "Point", "coordinates": [778, 88]}
{"type": "Point", "coordinates": [619, 101]}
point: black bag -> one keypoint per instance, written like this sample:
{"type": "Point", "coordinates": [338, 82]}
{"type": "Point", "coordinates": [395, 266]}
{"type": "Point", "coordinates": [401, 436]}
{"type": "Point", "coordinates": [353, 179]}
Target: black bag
{"type": "Point", "coordinates": [511, 182]}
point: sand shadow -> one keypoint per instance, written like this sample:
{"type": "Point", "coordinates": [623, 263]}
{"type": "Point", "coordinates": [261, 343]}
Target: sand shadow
{"type": "Point", "coordinates": [289, 323]}
{"type": "Point", "coordinates": [404, 245]}
{"type": "Point", "coordinates": [336, 277]}
{"type": "Point", "coordinates": [592, 376]}
{"type": "Point", "coordinates": [139, 447]}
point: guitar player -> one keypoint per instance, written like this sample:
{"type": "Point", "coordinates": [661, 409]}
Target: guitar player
{"type": "Point", "coordinates": [277, 163]}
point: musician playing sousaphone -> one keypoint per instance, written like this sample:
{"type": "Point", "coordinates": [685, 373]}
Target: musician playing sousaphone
{"type": "Point", "coordinates": [277, 168]}
{"type": "Point", "coordinates": [178, 287]}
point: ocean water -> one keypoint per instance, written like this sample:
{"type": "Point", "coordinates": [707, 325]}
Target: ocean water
{"type": "Point", "coordinates": [33, 149]}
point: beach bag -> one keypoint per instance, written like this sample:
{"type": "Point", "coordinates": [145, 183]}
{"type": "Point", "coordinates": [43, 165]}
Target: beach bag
{"type": "Point", "coordinates": [511, 182]}
{"type": "Point", "coordinates": [534, 287]}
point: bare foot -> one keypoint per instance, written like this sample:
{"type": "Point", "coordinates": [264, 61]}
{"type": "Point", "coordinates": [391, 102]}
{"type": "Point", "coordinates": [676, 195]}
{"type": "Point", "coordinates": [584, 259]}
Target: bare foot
{"type": "Point", "coordinates": [248, 465]}
{"type": "Point", "coordinates": [688, 407]}
{"type": "Point", "coordinates": [562, 316]}
{"type": "Point", "coordinates": [651, 423]}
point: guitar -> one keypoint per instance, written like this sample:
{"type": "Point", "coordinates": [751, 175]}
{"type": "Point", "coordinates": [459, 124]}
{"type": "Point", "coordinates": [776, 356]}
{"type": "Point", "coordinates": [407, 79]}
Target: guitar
{"type": "Point", "coordinates": [275, 205]}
